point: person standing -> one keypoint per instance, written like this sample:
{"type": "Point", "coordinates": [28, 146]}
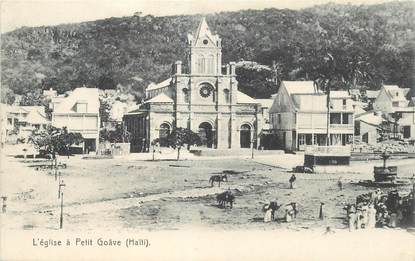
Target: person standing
{"type": "Point", "coordinates": [268, 215]}
{"type": "Point", "coordinates": [340, 183]}
{"type": "Point", "coordinates": [292, 180]}
{"type": "Point", "coordinates": [371, 217]}
{"type": "Point", "coordinates": [351, 214]}
{"type": "Point", "coordinates": [289, 213]}
{"type": "Point", "coordinates": [365, 216]}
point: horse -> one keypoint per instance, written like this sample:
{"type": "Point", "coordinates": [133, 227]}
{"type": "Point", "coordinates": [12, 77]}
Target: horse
{"type": "Point", "coordinates": [218, 178]}
{"type": "Point", "coordinates": [224, 198]}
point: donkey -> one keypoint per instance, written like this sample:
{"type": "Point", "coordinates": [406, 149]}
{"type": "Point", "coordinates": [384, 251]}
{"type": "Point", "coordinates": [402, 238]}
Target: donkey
{"type": "Point", "coordinates": [218, 178]}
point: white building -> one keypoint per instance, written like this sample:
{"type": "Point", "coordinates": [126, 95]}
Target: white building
{"type": "Point", "coordinates": [79, 112]}
{"type": "Point", "coordinates": [299, 116]}
{"type": "Point", "coordinates": [390, 99]}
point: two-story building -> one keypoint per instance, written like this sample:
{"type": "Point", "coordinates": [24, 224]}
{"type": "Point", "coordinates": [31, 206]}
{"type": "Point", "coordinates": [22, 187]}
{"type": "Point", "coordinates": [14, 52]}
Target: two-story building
{"type": "Point", "coordinates": [298, 116]}
{"type": "Point", "coordinates": [79, 112]}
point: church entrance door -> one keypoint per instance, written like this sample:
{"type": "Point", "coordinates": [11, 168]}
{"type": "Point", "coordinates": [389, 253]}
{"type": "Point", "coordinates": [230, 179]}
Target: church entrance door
{"type": "Point", "coordinates": [206, 134]}
{"type": "Point", "coordinates": [245, 134]}
{"type": "Point", "coordinates": [164, 132]}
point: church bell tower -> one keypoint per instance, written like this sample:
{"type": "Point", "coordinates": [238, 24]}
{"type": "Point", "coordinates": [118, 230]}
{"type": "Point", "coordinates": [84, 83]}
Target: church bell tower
{"type": "Point", "coordinates": [205, 51]}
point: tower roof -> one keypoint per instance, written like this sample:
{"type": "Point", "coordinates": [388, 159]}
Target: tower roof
{"type": "Point", "coordinates": [203, 31]}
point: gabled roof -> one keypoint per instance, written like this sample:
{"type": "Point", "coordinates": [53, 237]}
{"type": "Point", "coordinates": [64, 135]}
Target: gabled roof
{"type": "Point", "coordinates": [162, 84]}
{"type": "Point", "coordinates": [371, 118]}
{"type": "Point", "coordinates": [36, 116]}
{"type": "Point", "coordinates": [243, 98]}
{"type": "Point", "coordinates": [300, 87]}
{"type": "Point", "coordinates": [396, 93]}
{"type": "Point", "coordinates": [161, 98]}
{"type": "Point", "coordinates": [89, 96]}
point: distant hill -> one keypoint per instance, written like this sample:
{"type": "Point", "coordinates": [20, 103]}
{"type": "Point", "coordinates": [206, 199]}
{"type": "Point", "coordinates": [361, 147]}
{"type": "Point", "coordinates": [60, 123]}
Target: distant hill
{"type": "Point", "coordinates": [130, 52]}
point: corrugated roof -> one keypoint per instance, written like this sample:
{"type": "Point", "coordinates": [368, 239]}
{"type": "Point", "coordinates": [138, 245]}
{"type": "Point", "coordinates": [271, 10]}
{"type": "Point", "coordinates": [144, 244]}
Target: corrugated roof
{"type": "Point", "coordinates": [162, 84]}
{"type": "Point", "coordinates": [243, 98]}
{"type": "Point", "coordinates": [83, 94]}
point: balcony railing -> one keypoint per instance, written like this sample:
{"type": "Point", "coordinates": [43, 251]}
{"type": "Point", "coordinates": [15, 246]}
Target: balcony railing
{"type": "Point", "coordinates": [328, 150]}
{"type": "Point", "coordinates": [341, 126]}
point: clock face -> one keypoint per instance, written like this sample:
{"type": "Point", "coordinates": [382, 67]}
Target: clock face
{"type": "Point", "coordinates": [205, 91]}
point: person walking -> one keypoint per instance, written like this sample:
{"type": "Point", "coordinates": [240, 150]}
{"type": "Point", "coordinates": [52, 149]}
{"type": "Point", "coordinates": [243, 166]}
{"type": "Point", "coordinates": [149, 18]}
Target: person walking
{"type": "Point", "coordinates": [292, 180]}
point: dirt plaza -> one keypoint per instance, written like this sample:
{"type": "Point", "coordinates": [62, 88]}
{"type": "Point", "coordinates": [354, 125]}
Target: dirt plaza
{"type": "Point", "coordinates": [135, 192]}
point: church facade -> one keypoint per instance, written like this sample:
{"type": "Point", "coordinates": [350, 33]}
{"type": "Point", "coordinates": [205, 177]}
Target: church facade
{"type": "Point", "coordinates": [205, 99]}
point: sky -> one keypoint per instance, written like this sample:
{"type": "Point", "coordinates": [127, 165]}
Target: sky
{"type": "Point", "coordinates": [18, 13]}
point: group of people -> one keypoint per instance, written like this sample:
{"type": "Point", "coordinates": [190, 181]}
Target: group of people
{"type": "Point", "coordinates": [376, 209]}
{"type": "Point", "coordinates": [291, 211]}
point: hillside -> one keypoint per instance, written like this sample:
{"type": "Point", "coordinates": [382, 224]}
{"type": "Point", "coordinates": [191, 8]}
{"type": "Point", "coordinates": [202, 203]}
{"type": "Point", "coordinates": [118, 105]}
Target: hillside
{"type": "Point", "coordinates": [130, 52]}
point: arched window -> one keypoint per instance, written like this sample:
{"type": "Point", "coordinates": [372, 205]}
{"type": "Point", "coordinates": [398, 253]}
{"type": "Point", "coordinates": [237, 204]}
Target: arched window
{"type": "Point", "coordinates": [226, 94]}
{"type": "Point", "coordinates": [210, 64]}
{"type": "Point", "coordinates": [201, 64]}
{"type": "Point", "coordinates": [185, 95]}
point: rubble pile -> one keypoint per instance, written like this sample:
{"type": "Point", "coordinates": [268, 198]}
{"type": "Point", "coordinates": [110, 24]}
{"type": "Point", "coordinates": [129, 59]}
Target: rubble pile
{"type": "Point", "coordinates": [390, 146]}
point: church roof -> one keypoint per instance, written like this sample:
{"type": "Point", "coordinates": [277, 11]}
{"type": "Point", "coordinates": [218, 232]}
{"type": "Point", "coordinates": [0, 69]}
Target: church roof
{"type": "Point", "coordinates": [243, 98]}
{"type": "Point", "coordinates": [161, 98]}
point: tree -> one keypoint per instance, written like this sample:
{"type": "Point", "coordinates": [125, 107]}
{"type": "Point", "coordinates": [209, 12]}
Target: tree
{"type": "Point", "coordinates": [117, 135]}
{"type": "Point", "coordinates": [255, 79]}
{"type": "Point", "coordinates": [180, 137]}
{"type": "Point", "coordinates": [104, 110]}
{"type": "Point", "coordinates": [55, 140]}
{"type": "Point", "coordinates": [396, 116]}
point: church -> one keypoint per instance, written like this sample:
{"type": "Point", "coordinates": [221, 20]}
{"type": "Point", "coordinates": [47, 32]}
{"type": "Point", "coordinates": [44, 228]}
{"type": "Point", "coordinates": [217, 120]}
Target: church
{"type": "Point", "coordinates": [205, 100]}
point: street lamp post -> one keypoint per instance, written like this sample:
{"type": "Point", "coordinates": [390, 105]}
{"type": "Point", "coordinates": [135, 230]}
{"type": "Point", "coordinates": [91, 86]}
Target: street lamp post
{"type": "Point", "coordinates": [62, 184]}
